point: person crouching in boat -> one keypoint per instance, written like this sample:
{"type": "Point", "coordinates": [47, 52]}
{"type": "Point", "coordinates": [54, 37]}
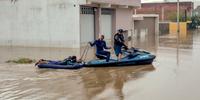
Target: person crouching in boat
{"type": "Point", "coordinates": [119, 43]}
{"type": "Point", "coordinates": [100, 48]}
{"type": "Point", "coordinates": [68, 61]}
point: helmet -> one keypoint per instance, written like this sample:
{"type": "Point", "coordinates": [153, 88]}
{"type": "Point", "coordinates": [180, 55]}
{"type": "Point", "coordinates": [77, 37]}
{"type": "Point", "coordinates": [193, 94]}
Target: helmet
{"type": "Point", "coordinates": [121, 31]}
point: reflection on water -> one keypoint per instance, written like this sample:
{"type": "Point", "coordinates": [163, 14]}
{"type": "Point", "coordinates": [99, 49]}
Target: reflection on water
{"type": "Point", "coordinates": [27, 82]}
{"type": "Point", "coordinates": [108, 83]}
{"type": "Point", "coordinates": [185, 41]}
{"type": "Point", "coordinates": [164, 80]}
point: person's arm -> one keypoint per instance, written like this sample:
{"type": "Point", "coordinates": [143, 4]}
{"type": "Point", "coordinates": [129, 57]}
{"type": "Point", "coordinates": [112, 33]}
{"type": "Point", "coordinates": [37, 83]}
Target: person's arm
{"type": "Point", "coordinates": [122, 38]}
{"type": "Point", "coordinates": [124, 45]}
{"type": "Point", "coordinates": [92, 43]}
{"type": "Point", "coordinates": [105, 46]}
{"type": "Point", "coordinates": [118, 39]}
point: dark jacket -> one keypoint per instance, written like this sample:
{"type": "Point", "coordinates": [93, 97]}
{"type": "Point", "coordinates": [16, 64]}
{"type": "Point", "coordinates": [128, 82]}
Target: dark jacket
{"type": "Point", "coordinates": [100, 45]}
{"type": "Point", "coordinates": [118, 39]}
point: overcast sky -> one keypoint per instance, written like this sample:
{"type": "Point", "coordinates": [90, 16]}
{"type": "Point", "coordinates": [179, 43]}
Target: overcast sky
{"type": "Point", "coordinates": [196, 2]}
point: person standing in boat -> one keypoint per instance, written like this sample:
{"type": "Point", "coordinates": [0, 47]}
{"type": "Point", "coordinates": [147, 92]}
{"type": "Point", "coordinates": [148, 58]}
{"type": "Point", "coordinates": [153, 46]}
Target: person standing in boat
{"type": "Point", "coordinates": [100, 48]}
{"type": "Point", "coordinates": [119, 43]}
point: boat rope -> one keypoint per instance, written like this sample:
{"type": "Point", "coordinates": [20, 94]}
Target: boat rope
{"type": "Point", "coordinates": [84, 54]}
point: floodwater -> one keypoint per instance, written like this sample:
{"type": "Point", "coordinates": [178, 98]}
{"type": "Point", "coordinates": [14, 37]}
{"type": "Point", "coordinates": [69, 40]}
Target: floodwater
{"type": "Point", "coordinates": [174, 75]}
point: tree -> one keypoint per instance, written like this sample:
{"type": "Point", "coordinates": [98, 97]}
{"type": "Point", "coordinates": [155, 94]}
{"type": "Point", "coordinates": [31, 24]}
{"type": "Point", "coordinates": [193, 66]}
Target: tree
{"type": "Point", "coordinates": [195, 22]}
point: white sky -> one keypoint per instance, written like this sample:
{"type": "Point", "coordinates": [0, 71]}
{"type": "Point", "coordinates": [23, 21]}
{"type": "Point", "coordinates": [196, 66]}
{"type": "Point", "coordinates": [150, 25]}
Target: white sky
{"type": "Point", "coordinates": [196, 2]}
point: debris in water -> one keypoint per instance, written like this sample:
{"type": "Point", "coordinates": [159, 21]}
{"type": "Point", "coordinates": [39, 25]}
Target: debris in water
{"type": "Point", "coordinates": [22, 61]}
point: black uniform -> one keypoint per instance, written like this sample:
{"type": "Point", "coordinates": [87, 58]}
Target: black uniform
{"type": "Point", "coordinates": [100, 46]}
{"type": "Point", "coordinates": [118, 43]}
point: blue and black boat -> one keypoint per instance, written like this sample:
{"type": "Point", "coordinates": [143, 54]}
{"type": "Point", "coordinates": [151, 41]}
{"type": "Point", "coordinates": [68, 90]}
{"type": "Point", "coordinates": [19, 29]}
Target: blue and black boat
{"type": "Point", "coordinates": [68, 63]}
{"type": "Point", "coordinates": [58, 66]}
{"type": "Point", "coordinates": [132, 57]}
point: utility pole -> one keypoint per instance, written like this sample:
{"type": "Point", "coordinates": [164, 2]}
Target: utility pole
{"type": "Point", "coordinates": [163, 13]}
{"type": "Point", "coordinates": [178, 30]}
{"type": "Point", "coordinates": [178, 18]}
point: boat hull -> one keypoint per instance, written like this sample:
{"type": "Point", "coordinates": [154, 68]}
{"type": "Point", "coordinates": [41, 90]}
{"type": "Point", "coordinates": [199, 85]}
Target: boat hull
{"type": "Point", "coordinates": [135, 58]}
{"type": "Point", "coordinates": [55, 66]}
{"type": "Point", "coordinates": [140, 59]}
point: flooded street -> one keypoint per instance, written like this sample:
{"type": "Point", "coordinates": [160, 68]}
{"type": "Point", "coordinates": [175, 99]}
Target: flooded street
{"type": "Point", "coordinates": [174, 75]}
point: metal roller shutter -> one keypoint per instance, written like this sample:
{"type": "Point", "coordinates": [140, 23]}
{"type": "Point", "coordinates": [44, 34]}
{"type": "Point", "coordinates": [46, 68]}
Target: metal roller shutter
{"type": "Point", "coordinates": [106, 24]}
{"type": "Point", "coordinates": [87, 24]}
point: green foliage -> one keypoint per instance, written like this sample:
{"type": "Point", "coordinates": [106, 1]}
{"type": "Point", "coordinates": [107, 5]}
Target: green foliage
{"type": "Point", "coordinates": [195, 22]}
{"type": "Point", "coordinates": [22, 61]}
{"type": "Point", "coordinates": [172, 16]}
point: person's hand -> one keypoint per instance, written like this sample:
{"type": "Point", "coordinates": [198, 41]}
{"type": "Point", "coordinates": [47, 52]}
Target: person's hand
{"type": "Point", "coordinates": [109, 47]}
{"type": "Point", "coordinates": [126, 47]}
{"type": "Point", "coordinates": [89, 42]}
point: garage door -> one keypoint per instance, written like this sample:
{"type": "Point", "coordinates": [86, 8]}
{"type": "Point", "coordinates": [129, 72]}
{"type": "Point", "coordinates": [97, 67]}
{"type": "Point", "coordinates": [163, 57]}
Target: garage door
{"type": "Point", "coordinates": [106, 24]}
{"type": "Point", "coordinates": [87, 25]}
{"type": "Point", "coordinates": [145, 33]}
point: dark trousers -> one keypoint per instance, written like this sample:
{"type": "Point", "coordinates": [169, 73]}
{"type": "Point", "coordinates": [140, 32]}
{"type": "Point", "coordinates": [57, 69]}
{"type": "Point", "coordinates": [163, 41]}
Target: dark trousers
{"type": "Point", "coordinates": [106, 54]}
{"type": "Point", "coordinates": [118, 50]}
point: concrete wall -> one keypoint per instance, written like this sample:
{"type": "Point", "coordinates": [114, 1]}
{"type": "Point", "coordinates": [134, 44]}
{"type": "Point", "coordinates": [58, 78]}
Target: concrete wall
{"type": "Point", "coordinates": [147, 23]}
{"type": "Point", "coordinates": [173, 28]}
{"type": "Point", "coordinates": [124, 18]}
{"type": "Point", "coordinates": [40, 23]}
{"type": "Point", "coordinates": [146, 31]}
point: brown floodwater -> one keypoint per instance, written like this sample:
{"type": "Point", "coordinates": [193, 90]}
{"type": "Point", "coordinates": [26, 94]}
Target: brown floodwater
{"type": "Point", "coordinates": [174, 75]}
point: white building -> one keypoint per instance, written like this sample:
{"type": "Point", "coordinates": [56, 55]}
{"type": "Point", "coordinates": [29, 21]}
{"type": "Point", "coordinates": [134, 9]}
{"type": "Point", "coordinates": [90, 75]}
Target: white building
{"type": "Point", "coordinates": [62, 23]}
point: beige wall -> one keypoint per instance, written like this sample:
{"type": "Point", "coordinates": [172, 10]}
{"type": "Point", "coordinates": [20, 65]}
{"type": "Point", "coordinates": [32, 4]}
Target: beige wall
{"type": "Point", "coordinates": [121, 19]}
{"type": "Point", "coordinates": [124, 18]}
{"type": "Point", "coordinates": [147, 23]}
{"type": "Point", "coordinates": [146, 31]}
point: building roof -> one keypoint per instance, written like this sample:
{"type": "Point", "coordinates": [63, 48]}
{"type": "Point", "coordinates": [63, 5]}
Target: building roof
{"type": "Point", "coordinates": [109, 3]}
{"type": "Point", "coordinates": [188, 5]}
{"type": "Point", "coordinates": [142, 16]}
{"type": "Point", "coordinates": [167, 2]}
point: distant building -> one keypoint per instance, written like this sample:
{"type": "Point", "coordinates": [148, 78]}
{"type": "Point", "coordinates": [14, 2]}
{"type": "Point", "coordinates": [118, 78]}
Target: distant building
{"type": "Point", "coordinates": [197, 11]}
{"type": "Point", "coordinates": [167, 10]}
